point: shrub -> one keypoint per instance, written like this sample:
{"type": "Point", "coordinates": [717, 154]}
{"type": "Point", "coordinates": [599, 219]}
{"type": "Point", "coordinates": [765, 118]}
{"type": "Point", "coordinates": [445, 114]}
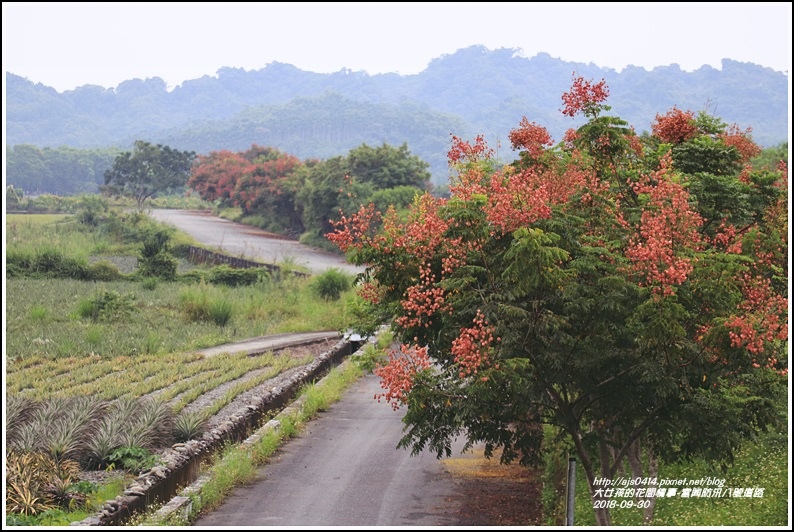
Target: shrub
{"type": "Point", "coordinates": [331, 284]}
{"type": "Point", "coordinates": [155, 259]}
{"type": "Point", "coordinates": [92, 209]}
{"type": "Point", "coordinates": [148, 423]}
{"type": "Point", "coordinates": [132, 459]}
{"type": "Point", "coordinates": [18, 262]}
{"type": "Point", "coordinates": [195, 303]}
{"type": "Point", "coordinates": [36, 483]}
{"type": "Point", "coordinates": [368, 358]}
{"type": "Point", "coordinates": [228, 276]}
{"type": "Point", "coordinates": [152, 343]}
{"type": "Point", "coordinates": [149, 283]}
{"type": "Point", "coordinates": [50, 262]}
{"type": "Point", "coordinates": [26, 475]}
{"type": "Point", "coordinates": [196, 275]}
{"type": "Point", "coordinates": [103, 271]}
{"type": "Point", "coordinates": [162, 265]}
{"type": "Point", "coordinates": [108, 305]}
{"type": "Point", "coordinates": [19, 411]}
{"type": "Point", "coordinates": [39, 313]}
{"type": "Point", "coordinates": [101, 443]}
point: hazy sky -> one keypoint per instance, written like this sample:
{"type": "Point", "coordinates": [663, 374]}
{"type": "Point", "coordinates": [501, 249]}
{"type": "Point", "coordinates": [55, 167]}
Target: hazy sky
{"type": "Point", "coordinates": [68, 44]}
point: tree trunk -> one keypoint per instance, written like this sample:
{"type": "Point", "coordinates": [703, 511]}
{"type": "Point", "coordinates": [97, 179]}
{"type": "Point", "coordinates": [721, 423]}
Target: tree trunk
{"type": "Point", "coordinates": [600, 503]}
{"type": "Point", "coordinates": [634, 455]}
{"type": "Point", "coordinates": [653, 472]}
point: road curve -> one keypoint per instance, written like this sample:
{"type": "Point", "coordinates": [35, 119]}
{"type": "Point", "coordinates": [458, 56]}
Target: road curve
{"type": "Point", "coordinates": [241, 240]}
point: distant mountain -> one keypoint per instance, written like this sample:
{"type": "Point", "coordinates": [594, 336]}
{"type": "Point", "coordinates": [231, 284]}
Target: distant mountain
{"type": "Point", "coordinates": [474, 90]}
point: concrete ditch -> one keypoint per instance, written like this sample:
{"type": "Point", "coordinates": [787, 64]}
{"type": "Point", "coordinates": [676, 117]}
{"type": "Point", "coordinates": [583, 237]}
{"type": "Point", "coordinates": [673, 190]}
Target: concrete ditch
{"type": "Point", "coordinates": [181, 463]}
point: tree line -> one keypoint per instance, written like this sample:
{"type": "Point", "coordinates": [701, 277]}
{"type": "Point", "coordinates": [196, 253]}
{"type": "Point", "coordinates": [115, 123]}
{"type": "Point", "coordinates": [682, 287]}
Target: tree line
{"type": "Point", "coordinates": [274, 190]}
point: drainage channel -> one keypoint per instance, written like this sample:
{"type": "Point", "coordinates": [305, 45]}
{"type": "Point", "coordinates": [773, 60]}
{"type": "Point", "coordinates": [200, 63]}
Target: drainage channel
{"type": "Point", "coordinates": [182, 462]}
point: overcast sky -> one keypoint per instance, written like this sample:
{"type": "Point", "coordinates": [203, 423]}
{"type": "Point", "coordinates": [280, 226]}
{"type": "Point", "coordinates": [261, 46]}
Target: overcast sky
{"type": "Point", "coordinates": [68, 44]}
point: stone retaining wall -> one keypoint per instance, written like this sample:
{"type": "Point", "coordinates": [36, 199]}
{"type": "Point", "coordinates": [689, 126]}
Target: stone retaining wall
{"type": "Point", "coordinates": [198, 255]}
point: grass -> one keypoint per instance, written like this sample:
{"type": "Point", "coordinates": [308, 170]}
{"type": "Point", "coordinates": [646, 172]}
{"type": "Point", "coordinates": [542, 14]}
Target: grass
{"type": "Point", "coordinates": [28, 233]}
{"type": "Point", "coordinates": [44, 316]}
{"type": "Point", "coordinates": [760, 464]}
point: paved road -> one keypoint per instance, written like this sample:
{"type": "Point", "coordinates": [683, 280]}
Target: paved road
{"type": "Point", "coordinates": [345, 470]}
{"type": "Point", "coordinates": [249, 242]}
{"type": "Point", "coordinates": [262, 344]}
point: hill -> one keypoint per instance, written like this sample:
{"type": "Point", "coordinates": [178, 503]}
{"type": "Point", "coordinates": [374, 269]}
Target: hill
{"type": "Point", "coordinates": [472, 91]}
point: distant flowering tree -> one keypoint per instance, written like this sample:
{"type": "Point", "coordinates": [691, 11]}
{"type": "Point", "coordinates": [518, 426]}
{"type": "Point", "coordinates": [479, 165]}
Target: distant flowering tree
{"type": "Point", "coordinates": [261, 181]}
{"type": "Point", "coordinates": [622, 291]}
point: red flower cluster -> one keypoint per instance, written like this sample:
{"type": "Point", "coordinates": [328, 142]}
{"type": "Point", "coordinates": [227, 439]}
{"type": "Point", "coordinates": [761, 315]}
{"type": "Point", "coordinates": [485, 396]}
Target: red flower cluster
{"type": "Point", "coordinates": [371, 292]}
{"type": "Point", "coordinates": [760, 318]}
{"type": "Point", "coordinates": [570, 138]}
{"type": "Point", "coordinates": [462, 150]}
{"type": "Point", "coordinates": [668, 226]}
{"type": "Point", "coordinates": [516, 199]}
{"type": "Point", "coordinates": [472, 346]}
{"type": "Point", "coordinates": [531, 137]}
{"type": "Point", "coordinates": [675, 127]}
{"type": "Point", "coordinates": [351, 232]}
{"type": "Point", "coordinates": [584, 96]}
{"type": "Point", "coordinates": [397, 376]}
{"type": "Point", "coordinates": [422, 301]}
{"type": "Point", "coordinates": [741, 141]}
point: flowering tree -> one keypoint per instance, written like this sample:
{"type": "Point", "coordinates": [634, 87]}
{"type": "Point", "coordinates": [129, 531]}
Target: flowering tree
{"type": "Point", "coordinates": [262, 181]}
{"type": "Point", "coordinates": [629, 293]}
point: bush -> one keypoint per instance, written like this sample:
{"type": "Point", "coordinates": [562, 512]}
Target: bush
{"type": "Point", "coordinates": [133, 459]}
{"type": "Point", "coordinates": [103, 271]}
{"type": "Point", "coordinates": [18, 262]}
{"type": "Point", "coordinates": [331, 284]}
{"type": "Point", "coordinates": [149, 283]}
{"type": "Point", "coordinates": [196, 275]}
{"type": "Point", "coordinates": [195, 303]}
{"type": "Point", "coordinates": [92, 210]}
{"type": "Point", "coordinates": [50, 262]}
{"type": "Point", "coordinates": [161, 265]}
{"type": "Point", "coordinates": [228, 276]}
{"type": "Point", "coordinates": [368, 358]}
{"type": "Point", "coordinates": [108, 305]}
{"type": "Point", "coordinates": [36, 483]}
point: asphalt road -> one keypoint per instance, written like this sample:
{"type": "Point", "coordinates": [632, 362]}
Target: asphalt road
{"type": "Point", "coordinates": [345, 470]}
{"type": "Point", "coordinates": [240, 240]}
